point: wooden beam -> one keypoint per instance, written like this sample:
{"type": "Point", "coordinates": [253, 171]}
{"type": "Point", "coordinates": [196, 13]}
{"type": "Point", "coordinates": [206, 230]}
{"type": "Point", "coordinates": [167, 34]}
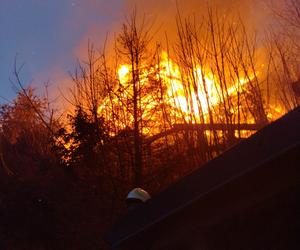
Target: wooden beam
{"type": "Point", "coordinates": [218, 126]}
{"type": "Point", "coordinates": [202, 127]}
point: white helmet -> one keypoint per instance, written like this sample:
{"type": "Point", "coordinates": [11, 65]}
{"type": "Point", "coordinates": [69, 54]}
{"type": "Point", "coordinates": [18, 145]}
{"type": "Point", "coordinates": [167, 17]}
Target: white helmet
{"type": "Point", "coordinates": [138, 194]}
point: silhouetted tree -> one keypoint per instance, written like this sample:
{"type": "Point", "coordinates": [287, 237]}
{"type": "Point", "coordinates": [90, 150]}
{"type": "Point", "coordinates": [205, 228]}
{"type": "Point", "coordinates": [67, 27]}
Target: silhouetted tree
{"type": "Point", "coordinates": [133, 46]}
{"type": "Point", "coordinates": [26, 142]}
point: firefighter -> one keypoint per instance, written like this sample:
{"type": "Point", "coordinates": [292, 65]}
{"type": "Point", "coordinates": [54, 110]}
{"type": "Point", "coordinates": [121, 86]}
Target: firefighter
{"type": "Point", "coordinates": [136, 197]}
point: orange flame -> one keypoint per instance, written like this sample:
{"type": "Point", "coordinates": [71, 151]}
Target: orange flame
{"type": "Point", "coordinates": [201, 97]}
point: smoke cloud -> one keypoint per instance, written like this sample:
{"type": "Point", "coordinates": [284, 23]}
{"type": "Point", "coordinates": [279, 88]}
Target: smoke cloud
{"type": "Point", "coordinates": [253, 12]}
{"type": "Point", "coordinates": [101, 18]}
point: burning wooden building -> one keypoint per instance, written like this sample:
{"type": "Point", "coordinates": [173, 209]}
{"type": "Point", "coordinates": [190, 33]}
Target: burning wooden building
{"type": "Point", "coordinates": [247, 198]}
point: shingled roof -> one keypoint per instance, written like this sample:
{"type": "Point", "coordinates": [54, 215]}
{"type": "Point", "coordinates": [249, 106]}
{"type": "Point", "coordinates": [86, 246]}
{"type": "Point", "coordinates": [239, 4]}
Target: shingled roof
{"type": "Point", "coordinates": [243, 164]}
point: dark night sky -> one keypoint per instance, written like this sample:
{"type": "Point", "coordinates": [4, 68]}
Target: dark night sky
{"type": "Point", "coordinates": [49, 35]}
{"type": "Point", "coordinates": [46, 35]}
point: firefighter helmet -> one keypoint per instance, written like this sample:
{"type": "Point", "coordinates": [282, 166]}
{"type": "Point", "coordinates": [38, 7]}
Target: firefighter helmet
{"type": "Point", "coordinates": [138, 194]}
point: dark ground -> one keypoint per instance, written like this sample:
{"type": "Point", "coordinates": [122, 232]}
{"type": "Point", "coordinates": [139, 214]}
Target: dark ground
{"type": "Point", "coordinates": [53, 210]}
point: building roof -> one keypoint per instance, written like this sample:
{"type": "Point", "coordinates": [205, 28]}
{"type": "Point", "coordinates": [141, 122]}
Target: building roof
{"type": "Point", "coordinates": [247, 157]}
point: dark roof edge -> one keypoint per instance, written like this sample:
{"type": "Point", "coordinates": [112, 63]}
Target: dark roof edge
{"type": "Point", "coordinates": [180, 208]}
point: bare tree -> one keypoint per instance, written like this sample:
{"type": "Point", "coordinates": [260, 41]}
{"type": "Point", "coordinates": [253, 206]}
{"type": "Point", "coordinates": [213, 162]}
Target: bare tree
{"type": "Point", "coordinates": [284, 50]}
{"type": "Point", "coordinates": [218, 63]}
{"type": "Point", "coordinates": [133, 47]}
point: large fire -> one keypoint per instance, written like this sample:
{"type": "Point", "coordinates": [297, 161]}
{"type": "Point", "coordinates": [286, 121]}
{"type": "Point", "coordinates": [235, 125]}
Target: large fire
{"type": "Point", "coordinates": [205, 94]}
{"type": "Point", "coordinates": [188, 103]}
